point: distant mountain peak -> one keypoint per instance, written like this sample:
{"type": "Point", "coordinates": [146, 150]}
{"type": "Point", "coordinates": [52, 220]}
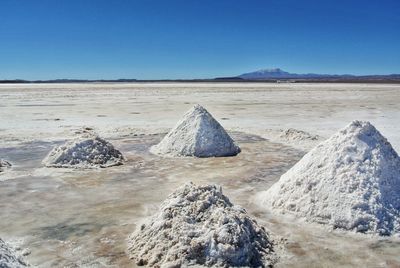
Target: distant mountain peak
{"type": "Point", "coordinates": [265, 74]}
{"type": "Point", "coordinates": [271, 70]}
{"type": "Point", "coordinates": [277, 73]}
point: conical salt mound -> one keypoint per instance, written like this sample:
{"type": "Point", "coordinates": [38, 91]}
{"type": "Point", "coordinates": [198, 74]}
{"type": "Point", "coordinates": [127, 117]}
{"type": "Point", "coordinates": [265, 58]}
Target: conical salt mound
{"type": "Point", "coordinates": [197, 134]}
{"type": "Point", "coordinates": [198, 225]}
{"type": "Point", "coordinates": [350, 181]}
{"type": "Point", "coordinates": [88, 151]}
{"type": "Point", "coordinates": [8, 258]}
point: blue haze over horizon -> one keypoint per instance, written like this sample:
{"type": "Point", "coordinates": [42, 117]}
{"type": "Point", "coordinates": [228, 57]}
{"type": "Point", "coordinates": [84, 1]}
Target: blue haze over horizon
{"type": "Point", "coordinates": [83, 39]}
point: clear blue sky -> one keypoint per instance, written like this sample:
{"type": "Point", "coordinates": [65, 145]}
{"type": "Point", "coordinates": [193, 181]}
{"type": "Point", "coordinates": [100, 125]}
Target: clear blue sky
{"type": "Point", "coordinates": [46, 39]}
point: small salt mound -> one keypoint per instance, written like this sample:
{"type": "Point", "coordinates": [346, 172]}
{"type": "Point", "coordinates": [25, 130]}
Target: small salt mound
{"type": "Point", "coordinates": [197, 134]}
{"type": "Point", "coordinates": [88, 151]}
{"type": "Point", "coordinates": [198, 225]}
{"type": "Point", "coordinates": [292, 134]}
{"type": "Point", "coordinates": [4, 165]}
{"type": "Point", "coordinates": [350, 181]}
{"type": "Point", "coordinates": [8, 258]}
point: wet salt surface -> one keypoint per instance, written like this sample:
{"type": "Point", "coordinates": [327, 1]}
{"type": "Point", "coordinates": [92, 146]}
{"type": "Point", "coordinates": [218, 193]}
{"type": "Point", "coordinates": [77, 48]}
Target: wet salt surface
{"type": "Point", "coordinates": [72, 218]}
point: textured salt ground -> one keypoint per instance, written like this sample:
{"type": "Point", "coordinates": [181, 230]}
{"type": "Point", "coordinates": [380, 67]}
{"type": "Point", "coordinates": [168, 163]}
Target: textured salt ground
{"type": "Point", "coordinates": [198, 225]}
{"type": "Point", "coordinates": [4, 165]}
{"type": "Point", "coordinates": [350, 181]}
{"type": "Point", "coordinates": [81, 217]}
{"type": "Point", "coordinates": [316, 108]}
{"type": "Point", "coordinates": [197, 134]}
{"type": "Point", "coordinates": [87, 151]}
{"type": "Point", "coordinates": [9, 258]}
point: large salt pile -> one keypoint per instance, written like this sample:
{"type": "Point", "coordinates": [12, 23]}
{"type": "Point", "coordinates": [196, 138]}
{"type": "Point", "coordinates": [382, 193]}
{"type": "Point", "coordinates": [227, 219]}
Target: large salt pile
{"type": "Point", "coordinates": [350, 181]}
{"type": "Point", "coordinates": [198, 225]}
{"type": "Point", "coordinates": [88, 151]}
{"type": "Point", "coordinates": [8, 258]}
{"type": "Point", "coordinates": [4, 165]}
{"type": "Point", "coordinates": [197, 134]}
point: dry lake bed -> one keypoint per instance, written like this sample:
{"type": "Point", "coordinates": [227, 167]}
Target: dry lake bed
{"type": "Point", "coordinates": [82, 218]}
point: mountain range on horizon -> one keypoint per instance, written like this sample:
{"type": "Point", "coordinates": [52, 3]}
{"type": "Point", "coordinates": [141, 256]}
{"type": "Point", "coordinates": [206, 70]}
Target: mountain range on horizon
{"type": "Point", "coordinates": [267, 75]}
{"type": "Point", "coordinates": [277, 73]}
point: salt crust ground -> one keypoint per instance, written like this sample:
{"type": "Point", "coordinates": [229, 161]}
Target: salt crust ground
{"type": "Point", "coordinates": [8, 257]}
{"type": "Point", "coordinates": [87, 151]}
{"type": "Point", "coordinates": [4, 165]}
{"type": "Point", "coordinates": [198, 225]}
{"type": "Point", "coordinates": [350, 181]}
{"type": "Point", "coordinates": [197, 134]}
